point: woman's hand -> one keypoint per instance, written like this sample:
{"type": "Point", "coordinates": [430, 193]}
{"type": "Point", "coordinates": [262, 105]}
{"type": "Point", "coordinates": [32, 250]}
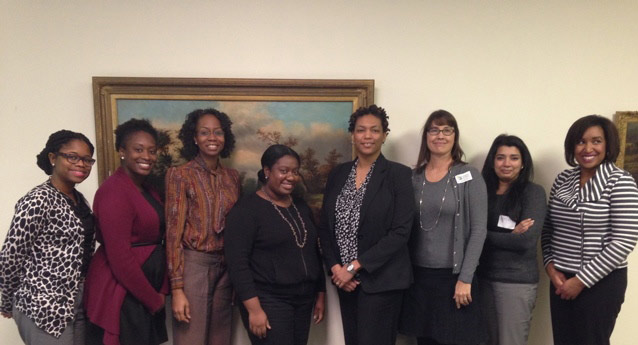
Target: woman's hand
{"type": "Point", "coordinates": [570, 289]}
{"type": "Point", "coordinates": [462, 294]}
{"type": "Point", "coordinates": [320, 304]}
{"type": "Point", "coordinates": [557, 277]}
{"type": "Point", "coordinates": [181, 307]}
{"type": "Point", "coordinates": [342, 278]}
{"type": "Point", "coordinates": [257, 318]}
{"type": "Point", "coordinates": [6, 315]}
{"type": "Point", "coordinates": [523, 226]}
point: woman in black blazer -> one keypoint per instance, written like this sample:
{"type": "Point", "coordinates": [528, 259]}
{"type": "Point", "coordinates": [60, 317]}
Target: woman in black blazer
{"type": "Point", "coordinates": [365, 225]}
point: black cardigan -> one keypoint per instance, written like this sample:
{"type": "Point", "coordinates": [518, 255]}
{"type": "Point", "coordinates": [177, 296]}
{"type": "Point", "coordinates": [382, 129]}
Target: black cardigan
{"type": "Point", "coordinates": [261, 252]}
{"type": "Point", "coordinates": [385, 224]}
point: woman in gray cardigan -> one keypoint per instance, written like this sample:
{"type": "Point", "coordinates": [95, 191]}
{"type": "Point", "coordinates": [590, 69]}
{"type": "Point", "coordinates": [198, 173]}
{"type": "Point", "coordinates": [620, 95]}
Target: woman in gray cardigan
{"type": "Point", "coordinates": [447, 239]}
{"type": "Point", "coordinates": [508, 270]}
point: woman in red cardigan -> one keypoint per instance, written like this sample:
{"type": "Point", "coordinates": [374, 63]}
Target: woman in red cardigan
{"type": "Point", "coordinates": [126, 283]}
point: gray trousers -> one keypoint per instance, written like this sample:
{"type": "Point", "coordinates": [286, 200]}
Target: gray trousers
{"type": "Point", "coordinates": [73, 334]}
{"type": "Point", "coordinates": [507, 311]}
{"type": "Point", "coordinates": [208, 290]}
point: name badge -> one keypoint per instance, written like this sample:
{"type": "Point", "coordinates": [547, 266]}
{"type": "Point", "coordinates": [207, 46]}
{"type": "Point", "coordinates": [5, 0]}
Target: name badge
{"type": "Point", "coordinates": [506, 222]}
{"type": "Point", "coordinates": [464, 177]}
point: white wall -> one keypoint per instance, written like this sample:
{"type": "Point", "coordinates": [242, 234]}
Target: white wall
{"type": "Point", "coordinates": [522, 67]}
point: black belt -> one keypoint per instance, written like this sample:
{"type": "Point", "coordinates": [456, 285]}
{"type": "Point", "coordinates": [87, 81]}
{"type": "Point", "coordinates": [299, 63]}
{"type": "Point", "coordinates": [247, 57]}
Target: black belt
{"type": "Point", "coordinates": [142, 244]}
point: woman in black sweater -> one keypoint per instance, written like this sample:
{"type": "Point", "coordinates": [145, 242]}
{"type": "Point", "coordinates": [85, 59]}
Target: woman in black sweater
{"type": "Point", "coordinates": [273, 257]}
{"type": "Point", "coordinates": [508, 269]}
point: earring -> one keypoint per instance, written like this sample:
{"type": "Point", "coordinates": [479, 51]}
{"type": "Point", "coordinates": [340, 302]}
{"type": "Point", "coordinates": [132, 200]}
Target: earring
{"type": "Point", "coordinates": [266, 178]}
{"type": "Point", "coordinates": [53, 165]}
{"type": "Point", "coordinates": [122, 157]}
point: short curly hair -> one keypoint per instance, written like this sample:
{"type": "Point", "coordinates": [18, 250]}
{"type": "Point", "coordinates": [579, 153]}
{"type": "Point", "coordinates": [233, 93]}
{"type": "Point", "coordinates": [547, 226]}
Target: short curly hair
{"type": "Point", "coordinates": [371, 110]}
{"type": "Point", "coordinates": [187, 133]}
{"type": "Point", "coordinates": [126, 129]}
{"type": "Point", "coordinates": [53, 145]}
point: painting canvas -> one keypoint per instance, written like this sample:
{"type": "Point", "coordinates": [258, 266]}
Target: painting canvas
{"type": "Point", "coordinates": [627, 123]}
{"type": "Point", "coordinates": [315, 125]}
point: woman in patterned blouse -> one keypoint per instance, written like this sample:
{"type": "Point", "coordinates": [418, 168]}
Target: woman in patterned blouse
{"type": "Point", "coordinates": [590, 229]}
{"type": "Point", "coordinates": [47, 250]}
{"type": "Point", "coordinates": [366, 220]}
{"type": "Point", "coordinates": [199, 194]}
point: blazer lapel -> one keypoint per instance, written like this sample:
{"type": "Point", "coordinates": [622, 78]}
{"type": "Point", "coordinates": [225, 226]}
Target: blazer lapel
{"type": "Point", "coordinates": [378, 175]}
{"type": "Point", "coordinates": [338, 183]}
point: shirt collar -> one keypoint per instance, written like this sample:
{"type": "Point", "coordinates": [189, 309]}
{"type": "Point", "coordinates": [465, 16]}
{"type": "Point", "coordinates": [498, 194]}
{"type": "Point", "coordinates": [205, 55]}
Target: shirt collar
{"type": "Point", "coordinates": [202, 164]}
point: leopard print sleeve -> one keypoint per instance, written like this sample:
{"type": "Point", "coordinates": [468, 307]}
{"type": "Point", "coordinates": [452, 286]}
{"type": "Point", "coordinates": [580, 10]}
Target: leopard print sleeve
{"type": "Point", "coordinates": [28, 219]}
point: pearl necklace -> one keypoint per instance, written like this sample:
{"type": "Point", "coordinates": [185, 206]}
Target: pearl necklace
{"type": "Point", "coordinates": [436, 222]}
{"type": "Point", "coordinates": [301, 243]}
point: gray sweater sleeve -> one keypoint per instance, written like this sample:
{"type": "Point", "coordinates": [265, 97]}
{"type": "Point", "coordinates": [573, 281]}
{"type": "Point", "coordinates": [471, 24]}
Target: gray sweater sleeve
{"type": "Point", "coordinates": [477, 205]}
{"type": "Point", "coordinates": [534, 206]}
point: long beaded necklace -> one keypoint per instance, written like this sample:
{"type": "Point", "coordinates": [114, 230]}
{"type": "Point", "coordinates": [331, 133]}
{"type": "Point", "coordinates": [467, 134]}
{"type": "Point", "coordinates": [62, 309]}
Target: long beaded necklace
{"type": "Point", "coordinates": [436, 222]}
{"type": "Point", "coordinates": [301, 243]}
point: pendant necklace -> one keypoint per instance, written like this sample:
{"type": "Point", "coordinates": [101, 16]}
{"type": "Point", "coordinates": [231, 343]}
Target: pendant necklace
{"type": "Point", "coordinates": [299, 243]}
{"type": "Point", "coordinates": [436, 222]}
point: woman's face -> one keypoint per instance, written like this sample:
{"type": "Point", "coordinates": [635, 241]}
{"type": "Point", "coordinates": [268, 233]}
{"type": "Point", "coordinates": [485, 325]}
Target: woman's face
{"type": "Point", "coordinates": [440, 144]}
{"type": "Point", "coordinates": [368, 136]}
{"type": "Point", "coordinates": [209, 136]}
{"type": "Point", "coordinates": [67, 172]}
{"type": "Point", "coordinates": [590, 151]}
{"type": "Point", "coordinates": [139, 154]}
{"type": "Point", "coordinates": [508, 163]}
{"type": "Point", "coordinates": [283, 176]}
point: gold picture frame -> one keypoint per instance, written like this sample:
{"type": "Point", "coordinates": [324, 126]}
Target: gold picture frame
{"type": "Point", "coordinates": [263, 111]}
{"type": "Point", "coordinates": [627, 124]}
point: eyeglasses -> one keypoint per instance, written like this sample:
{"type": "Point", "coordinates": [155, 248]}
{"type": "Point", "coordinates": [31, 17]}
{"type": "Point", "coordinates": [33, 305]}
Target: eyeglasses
{"type": "Point", "coordinates": [207, 132]}
{"type": "Point", "coordinates": [447, 131]}
{"type": "Point", "coordinates": [73, 158]}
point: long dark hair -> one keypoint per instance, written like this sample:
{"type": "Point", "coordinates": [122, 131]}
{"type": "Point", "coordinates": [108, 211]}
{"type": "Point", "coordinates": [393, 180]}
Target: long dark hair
{"type": "Point", "coordinates": [514, 195]}
{"type": "Point", "coordinates": [439, 117]}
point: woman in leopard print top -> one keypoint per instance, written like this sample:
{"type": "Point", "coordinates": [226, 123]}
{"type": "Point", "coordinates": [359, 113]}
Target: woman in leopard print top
{"type": "Point", "coordinates": [46, 252]}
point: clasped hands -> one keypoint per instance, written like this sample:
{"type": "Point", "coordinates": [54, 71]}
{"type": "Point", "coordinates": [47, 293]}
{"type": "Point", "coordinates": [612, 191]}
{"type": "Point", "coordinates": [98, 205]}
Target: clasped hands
{"type": "Point", "coordinates": [344, 279]}
{"type": "Point", "coordinates": [567, 289]}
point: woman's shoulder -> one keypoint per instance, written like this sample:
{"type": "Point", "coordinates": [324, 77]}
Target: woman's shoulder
{"type": "Point", "coordinates": [533, 187]}
{"type": "Point", "coordinates": [534, 191]}
{"type": "Point", "coordinates": [41, 193]}
{"type": "Point", "coordinates": [247, 201]}
{"type": "Point", "coordinates": [399, 167]}
{"type": "Point", "coordinates": [116, 186]}
{"type": "Point", "coordinates": [179, 170]}
{"type": "Point", "coordinates": [460, 170]}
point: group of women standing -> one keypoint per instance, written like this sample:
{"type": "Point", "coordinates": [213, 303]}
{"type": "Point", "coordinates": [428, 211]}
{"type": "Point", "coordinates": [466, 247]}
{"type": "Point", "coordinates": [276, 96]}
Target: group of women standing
{"type": "Point", "coordinates": [441, 252]}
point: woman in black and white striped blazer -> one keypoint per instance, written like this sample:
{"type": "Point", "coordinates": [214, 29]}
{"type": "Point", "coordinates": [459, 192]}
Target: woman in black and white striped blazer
{"type": "Point", "coordinates": [590, 229]}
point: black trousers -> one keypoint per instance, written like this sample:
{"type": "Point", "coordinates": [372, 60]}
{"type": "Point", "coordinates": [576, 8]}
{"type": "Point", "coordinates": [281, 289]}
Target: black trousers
{"type": "Point", "coordinates": [588, 319]}
{"type": "Point", "coordinates": [289, 317]}
{"type": "Point", "coordinates": [370, 318]}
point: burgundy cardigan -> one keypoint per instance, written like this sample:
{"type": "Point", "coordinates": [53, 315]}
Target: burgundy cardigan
{"type": "Point", "coordinates": [123, 216]}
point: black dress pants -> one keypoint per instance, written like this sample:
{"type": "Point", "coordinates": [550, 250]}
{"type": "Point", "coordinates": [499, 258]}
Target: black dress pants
{"type": "Point", "coordinates": [588, 319]}
{"type": "Point", "coordinates": [370, 318]}
{"type": "Point", "coordinates": [289, 317]}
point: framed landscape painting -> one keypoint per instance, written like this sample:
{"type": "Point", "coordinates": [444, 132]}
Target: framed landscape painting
{"type": "Point", "coordinates": [627, 123]}
{"type": "Point", "coordinates": [311, 116]}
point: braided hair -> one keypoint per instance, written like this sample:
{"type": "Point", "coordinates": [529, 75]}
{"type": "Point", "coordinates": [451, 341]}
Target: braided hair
{"type": "Point", "coordinates": [53, 145]}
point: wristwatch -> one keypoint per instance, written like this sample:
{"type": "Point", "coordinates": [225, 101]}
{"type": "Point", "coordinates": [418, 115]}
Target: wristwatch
{"type": "Point", "coordinates": [351, 269]}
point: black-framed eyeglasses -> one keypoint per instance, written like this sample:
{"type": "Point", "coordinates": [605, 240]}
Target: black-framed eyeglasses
{"type": "Point", "coordinates": [447, 131]}
{"type": "Point", "coordinates": [73, 158]}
